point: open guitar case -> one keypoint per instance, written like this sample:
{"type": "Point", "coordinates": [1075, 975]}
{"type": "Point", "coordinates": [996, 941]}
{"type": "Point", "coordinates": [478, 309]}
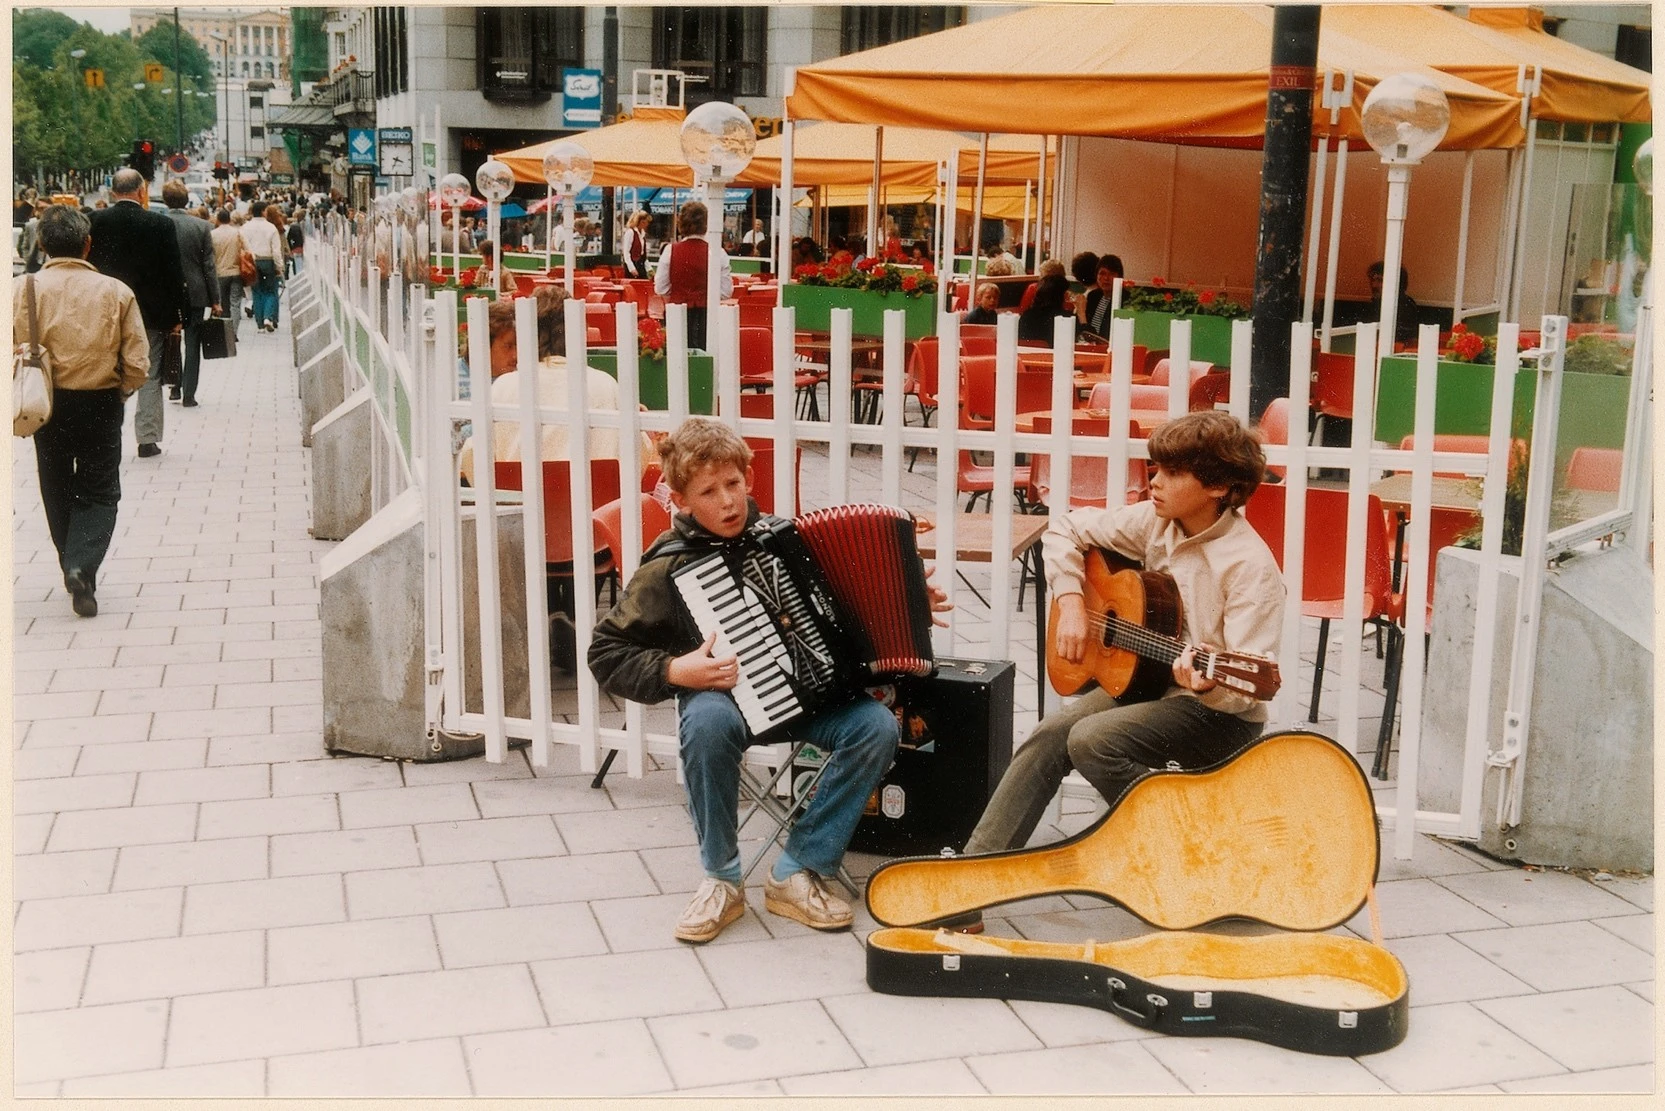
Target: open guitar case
{"type": "Point", "coordinates": [1282, 833]}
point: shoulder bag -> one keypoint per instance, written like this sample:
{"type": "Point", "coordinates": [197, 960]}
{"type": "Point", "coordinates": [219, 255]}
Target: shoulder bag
{"type": "Point", "coordinates": [31, 376]}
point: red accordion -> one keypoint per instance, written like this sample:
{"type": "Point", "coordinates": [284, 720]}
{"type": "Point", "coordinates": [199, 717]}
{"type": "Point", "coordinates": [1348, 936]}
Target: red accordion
{"type": "Point", "coordinates": [815, 609]}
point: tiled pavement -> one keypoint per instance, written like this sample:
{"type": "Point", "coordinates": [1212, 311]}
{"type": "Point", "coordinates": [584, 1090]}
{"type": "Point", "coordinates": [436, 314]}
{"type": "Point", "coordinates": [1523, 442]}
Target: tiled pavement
{"type": "Point", "coordinates": [206, 905]}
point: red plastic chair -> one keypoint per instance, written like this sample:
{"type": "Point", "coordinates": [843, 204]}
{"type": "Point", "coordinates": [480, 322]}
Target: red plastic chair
{"type": "Point", "coordinates": [763, 473]}
{"type": "Point", "coordinates": [1332, 385]}
{"type": "Point", "coordinates": [1159, 373]}
{"type": "Point", "coordinates": [1324, 560]}
{"type": "Point", "coordinates": [557, 516]}
{"type": "Point", "coordinates": [1211, 391]}
{"type": "Point", "coordinates": [609, 530]}
{"type": "Point", "coordinates": [1595, 468]}
{"type": "Point", "coordinates": [1274, 428]}
{"type": "Point", "coordinates": [599, 319]}
{"type": "Point", "coordinates": [977, 339]}
{"type": "Point", "coordinates": [1467, 444]}
{"type": "Point", "coordinates": [1088, 472]}
{"type": "Point", "coordinates": [977, 409]}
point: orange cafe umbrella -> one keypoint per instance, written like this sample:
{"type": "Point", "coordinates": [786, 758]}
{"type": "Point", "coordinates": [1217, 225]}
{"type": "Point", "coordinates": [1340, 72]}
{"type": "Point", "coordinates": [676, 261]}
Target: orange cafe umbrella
{"type": "Point", "coordinates": [1170, 73]}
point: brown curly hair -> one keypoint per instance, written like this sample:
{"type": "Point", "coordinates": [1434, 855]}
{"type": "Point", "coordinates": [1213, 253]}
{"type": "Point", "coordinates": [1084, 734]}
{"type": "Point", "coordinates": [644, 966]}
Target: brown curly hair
{"type": "Point", "coordinates": [1215, 447]}
{"type": "Point", "coordinates": [700, 442]}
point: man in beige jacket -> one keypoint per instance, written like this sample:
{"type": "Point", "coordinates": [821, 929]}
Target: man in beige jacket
{"type": "Point", "coordinates": [94, 335]}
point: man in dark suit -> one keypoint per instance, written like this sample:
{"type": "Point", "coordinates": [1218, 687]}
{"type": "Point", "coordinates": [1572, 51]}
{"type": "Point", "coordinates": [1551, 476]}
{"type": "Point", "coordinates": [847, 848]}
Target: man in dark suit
{"type": "Point", "coordinates": [141, 248]}
{"type": "Point", "coordinates": [202, 285]}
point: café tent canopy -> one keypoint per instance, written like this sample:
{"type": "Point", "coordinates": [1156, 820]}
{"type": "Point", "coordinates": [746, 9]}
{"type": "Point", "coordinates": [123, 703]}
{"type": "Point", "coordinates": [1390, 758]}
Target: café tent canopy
{"type": "Point", "coordinates": [643, 150]}
{"type": "Point", "coordinates": [1488, 48]}
{"type": "Point", "coordinates": [1170, 73]}
{"type": "Point", "coordinates": [1000, 202]}
{"type": "Point", "coordinates": [842, 154]}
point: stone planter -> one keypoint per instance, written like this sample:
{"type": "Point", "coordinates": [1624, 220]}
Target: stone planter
{"type": "Point", "coordinates": [652, 388]}
{"type": "Point", "coordinates": [1593, 406]}
{"type": "Point", "coordinates": [1210, 335]}
{"type": "Point", "coordinates": [814, 305]}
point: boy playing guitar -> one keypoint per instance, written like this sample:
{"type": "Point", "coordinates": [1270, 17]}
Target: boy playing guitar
{"type": "Point", "coordinates": [1205, 466]}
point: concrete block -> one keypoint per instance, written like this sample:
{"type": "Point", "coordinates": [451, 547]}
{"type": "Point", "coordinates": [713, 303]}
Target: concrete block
{"type": "Point", "coordinates": [341, 467]}
{"type": "Point", "coordinates": [511, 583]}
{"type": "Point", "coordinates": [370, 606]}
{"type": "Point", "coordinates": [321, 379]}
{"type": "Point", "coordinates": [311, 337]}
{"type": "Point", "coordinates": [1587, 797]}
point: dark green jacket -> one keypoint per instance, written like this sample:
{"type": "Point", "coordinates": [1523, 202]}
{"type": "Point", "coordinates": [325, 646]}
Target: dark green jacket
{"type": "Point", "coordinates": [650, 626]}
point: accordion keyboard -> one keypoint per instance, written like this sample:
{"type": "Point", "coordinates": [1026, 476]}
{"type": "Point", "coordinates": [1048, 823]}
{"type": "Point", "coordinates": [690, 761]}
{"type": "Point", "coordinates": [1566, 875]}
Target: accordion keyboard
{"type": "Point", "coordinates": [721, 603]}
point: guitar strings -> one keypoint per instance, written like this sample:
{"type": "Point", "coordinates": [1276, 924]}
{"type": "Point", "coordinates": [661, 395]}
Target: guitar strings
{"type": "Point", "coordinates": [1140, 639]}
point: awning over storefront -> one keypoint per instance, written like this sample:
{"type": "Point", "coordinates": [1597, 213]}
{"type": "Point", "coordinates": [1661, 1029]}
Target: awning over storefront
{"type": "Point", "coordinates": [669, 200]}
{"type": "Point", "coordinates": [842, 154]}
{"type": "Point", "coordinates": [1173, 73]}
{"type": "Point", "coordinates": [311, 116]}
{"type": "Point", "coordinates": [644, 150]}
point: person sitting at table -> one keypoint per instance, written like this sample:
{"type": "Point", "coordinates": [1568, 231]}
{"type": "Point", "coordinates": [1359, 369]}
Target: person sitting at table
{"type": "Point", "coordinates": [1000, 264]}
{"type": "Point", "coordinates": [1052, 300]}
{"type": "Point", "coordinates": [1095, 306]}
{"type": "Point", "coordinates": [681, 276]}
{"type": "Point", "coordinates": [1204, 467]}
{"type": "Point", "coordinates": [1404, 320]}
{"type": "Point", "coordinates": [602, 388]}
{"type": "Point", "coordinates": [1084, 268]}
{"type": "Point", "coordinates": [1050, 266]}
{"type": "Point", "coordinates": [987, 309]}
{"type": "Point", "coordinates": [920, 256]}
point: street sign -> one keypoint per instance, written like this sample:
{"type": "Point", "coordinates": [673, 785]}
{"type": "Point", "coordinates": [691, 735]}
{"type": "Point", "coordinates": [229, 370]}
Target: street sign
{"type": "Point", "coordinates": [430, 155]}
{"type": "Point", "coordinates": [283, 179]}
{"type": "Point", "coordinates": [361, 146]}
{"type": "Point", "coordinates": [93, 77]}
{"type": "Point", "coordinates": [580, 98]}
{"type": "Point", "coordinates": [179, 163]}
{"type": "Point", "coordinates": [153, 71]}
{"type": "Point", "coordinates": [398, 151]}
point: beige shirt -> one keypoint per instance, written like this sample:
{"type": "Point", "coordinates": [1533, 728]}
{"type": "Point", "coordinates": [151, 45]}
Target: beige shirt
{"type": "Point", "coordinates": [89, 324]}
{"type": "Point", "coordinates": [262, 239]}
{"type": "Point", "coordinates": [228, 244]}
{"type": "Point", "coordinates": [603, 393]}
{"type": "Point", "coordinates": [1229, 583]}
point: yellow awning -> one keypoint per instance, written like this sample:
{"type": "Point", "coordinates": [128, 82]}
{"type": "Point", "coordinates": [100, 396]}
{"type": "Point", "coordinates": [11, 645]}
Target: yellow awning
{"type": "Point", "coordinates": [1000, 202]}
{"type": "Point", "coordinates": [842, 154]}
{"type": "Point", "coordinates": [1175, 73]}
{"type": "Point", "coordinates": [643, 150]}
{"type": "Point", "coordinates": [1579, 85]}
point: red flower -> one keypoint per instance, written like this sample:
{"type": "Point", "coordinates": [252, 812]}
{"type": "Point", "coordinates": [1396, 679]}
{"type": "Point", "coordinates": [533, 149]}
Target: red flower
{"type": "Point", "coordinates": [807, 270]}
{"type": "Point", "coordinates": [910, 283]}
{"type": "Point", "coordinates": [1167, 297]}
{"type": "Point", "coordinates": [1206, 297]}
{"type": "Point", "coordinates": [867, 263]}
{"type": "Point", "coordinates": [1157, 281]}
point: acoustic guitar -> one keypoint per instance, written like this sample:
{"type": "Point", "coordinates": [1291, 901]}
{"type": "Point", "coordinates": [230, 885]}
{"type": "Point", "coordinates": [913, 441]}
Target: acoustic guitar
{"type": "Point", "coordinates": [1134, 618]}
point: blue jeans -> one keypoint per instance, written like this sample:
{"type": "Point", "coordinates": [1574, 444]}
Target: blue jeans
{"type": "Point", "coordinates": [265, 291]}
{"type": "Point", "coordinates": [859, 737]}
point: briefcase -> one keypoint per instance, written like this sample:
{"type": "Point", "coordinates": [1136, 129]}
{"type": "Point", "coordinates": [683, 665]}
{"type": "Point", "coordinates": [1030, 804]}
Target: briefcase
{"type": "Point", "coordinates": [173, 360]}
{"type": "Point", "coordinates": [1282, 833]}
{"type": "Point", "coordinates": [219, 339]}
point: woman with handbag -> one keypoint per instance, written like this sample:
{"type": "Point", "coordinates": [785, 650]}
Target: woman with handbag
{"type": "Point", "coordinates": [228, 255]}
{"type": "Point", "coordinates": [86, 328]}
{"type": "Point", "coordinates": [265, 243]}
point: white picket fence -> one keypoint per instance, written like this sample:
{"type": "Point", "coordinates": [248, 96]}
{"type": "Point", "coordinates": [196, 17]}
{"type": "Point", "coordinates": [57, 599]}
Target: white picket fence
{"type": "Point", "coordinates": [406, 354]}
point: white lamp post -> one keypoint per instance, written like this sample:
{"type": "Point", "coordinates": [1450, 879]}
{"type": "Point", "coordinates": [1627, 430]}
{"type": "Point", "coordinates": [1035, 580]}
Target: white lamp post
{"type": "Point", "coordinates": [718, 141]}
{"type": "Point", "coordinates": [453, 191]}
{"type": "Point", "coordinates": [495, 182]}
{"type": "Point", "coordinates": [568, 168]}
{"type": "Point", "coordinates": [1404, 118]}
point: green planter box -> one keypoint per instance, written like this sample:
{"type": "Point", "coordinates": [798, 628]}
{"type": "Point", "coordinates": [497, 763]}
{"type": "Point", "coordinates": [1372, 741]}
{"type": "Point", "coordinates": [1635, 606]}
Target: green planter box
{"type": "Point", "coordinates": [1593, 406]}
{"type": "Point", "coordinates": [815, 303]}
{"type": "Point", "coordinates": [1210, 335]}
{"type": "Point", "coordinates": [652, 388]}
{"type": "Point", "coordinates": [747, 265]}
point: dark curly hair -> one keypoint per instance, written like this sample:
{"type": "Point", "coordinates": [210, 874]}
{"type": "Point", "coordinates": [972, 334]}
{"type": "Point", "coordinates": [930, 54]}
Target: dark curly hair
{"type": "Point", "coordinates": [1215, 447]}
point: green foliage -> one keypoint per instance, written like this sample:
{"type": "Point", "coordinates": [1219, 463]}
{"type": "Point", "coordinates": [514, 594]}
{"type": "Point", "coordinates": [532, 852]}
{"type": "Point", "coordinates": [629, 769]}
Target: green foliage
{"type": "Point", "coordinates": [37, 33]}
{"type": "Point", "coordinates": [1159, 296]}
{"type": "Point", "coordinates": [1597, 354]}
{"type": "Point", "coordinates": [156, 45]}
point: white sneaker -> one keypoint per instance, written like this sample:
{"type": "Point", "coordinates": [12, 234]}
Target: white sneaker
{"type": "Point", "coordinates": [804, 897]}
{"type": "Point", "coordinates": [716, 903]}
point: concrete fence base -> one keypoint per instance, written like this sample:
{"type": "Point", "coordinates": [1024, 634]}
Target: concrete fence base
{"type": "Point", "coordinates": [341, 467]}
{"type": "Point", "coordinates": [1588, 791]}
{"type": "Point", "coordinates": [321, 386]}
{"type": "Point", "coordinates": [311, 337]}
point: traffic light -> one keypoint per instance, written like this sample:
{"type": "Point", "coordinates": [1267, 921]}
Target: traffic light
{"type": "Point", "coordinates": [222, 171]}
{"type": "Point", "coordinates": [143, 158]}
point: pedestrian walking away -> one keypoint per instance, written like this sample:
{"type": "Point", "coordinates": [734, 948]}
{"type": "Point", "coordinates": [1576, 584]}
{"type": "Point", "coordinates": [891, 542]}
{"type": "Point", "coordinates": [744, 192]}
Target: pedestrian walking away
{"type": "Point", "coordinates": [202, 284]}
{"type": "Point", "coordinates": [95, 338]}
{"type": "Point", "coordinates": [265, 243]}
{"type": "Point", "coordinates": [141, 248]}
{"type": "Point", "coordinates": [227, 241]}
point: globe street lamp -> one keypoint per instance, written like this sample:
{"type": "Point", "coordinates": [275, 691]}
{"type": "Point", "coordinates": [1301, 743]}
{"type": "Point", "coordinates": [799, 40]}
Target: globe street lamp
{"type": "Point", "coordinates": [75, 90]}
{"type": "Point", "coordinates": [568, 168]}
{"type": "Point", "coordinates": [138, 87]}
{"type": "Point", "coordinates": [1404, 118]}
{"type": "Point", "coordinates": [495, 182]}
{"type": "Point", "coordinates": [453, 191]}
{"type": "Point", "coordinates": [718, 140]}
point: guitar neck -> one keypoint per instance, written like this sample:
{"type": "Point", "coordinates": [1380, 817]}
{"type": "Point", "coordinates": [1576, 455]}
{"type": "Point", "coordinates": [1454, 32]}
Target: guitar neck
{"type": "Point", "coordinates": [1150, 645]}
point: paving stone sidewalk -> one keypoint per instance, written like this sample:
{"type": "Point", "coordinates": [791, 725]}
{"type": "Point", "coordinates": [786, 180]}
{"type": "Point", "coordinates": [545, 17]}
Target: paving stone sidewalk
{"type": "Point", "coordinates": [207, 905]}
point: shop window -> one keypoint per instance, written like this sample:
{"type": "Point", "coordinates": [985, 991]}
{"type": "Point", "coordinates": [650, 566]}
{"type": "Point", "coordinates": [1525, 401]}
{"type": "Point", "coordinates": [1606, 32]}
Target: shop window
{"type": "Point", "coordinates": [392, 74]}
{"type": "Point", "coordinates": [864, 27]}
{"type": "Point", "coordinates": [728, 46]}
{"type": "Point", "coordinates": [1634, 47]}
{"type": "Point", "coordinates": [523, 50]}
